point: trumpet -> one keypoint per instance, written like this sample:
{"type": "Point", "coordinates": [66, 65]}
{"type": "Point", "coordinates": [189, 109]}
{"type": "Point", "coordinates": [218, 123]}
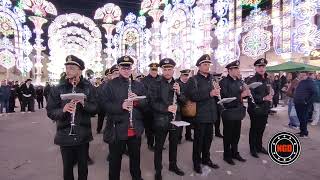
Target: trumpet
{"type": "Point", "coordinates": [73, 124]}
{"type": "Point", "coordinates": [131, 110]}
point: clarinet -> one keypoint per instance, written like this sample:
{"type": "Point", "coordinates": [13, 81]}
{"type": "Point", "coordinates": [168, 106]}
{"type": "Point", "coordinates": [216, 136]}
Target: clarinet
{"type": "Point", "coordinates": [131, 110]}
{"type": "Point", "coordinates": [174, 102]}
{"type": "Point", "coordinates": [73, 124]}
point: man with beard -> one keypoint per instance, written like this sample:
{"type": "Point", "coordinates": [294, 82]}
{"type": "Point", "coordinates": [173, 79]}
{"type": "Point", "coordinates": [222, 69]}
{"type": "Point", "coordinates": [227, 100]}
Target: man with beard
{"type": "Point", "coordinates": [164, 111]}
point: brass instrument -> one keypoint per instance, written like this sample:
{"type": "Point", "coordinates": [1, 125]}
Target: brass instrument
{"type": "Point", "coordinates": [215, 85]}
{"type": "Point", "coordinates": [131, 110]}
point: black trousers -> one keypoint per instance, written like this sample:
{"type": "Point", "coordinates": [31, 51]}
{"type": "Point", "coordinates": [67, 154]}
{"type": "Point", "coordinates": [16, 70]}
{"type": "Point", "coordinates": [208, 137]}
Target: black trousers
{"type": "Point", "coordinates": [116, 151]}
{"type": "Point", "coordinates": [257, 127]}
{"type": "Point", "coordinates": [72, 154]}
{"type": "Point", "coordinates": [12, 104]}
{"type": "Point", "coordinates": [188, 128]}
{"type": "Point", "coordinates": [160, 136]}
{"type": "Point", "coordinates": [40, 102]}
{"type": "Point", "coordinates": [101, 117]}
{"type": "Point", "coordinates": [231, 136]}
{"type": "Point", "coordinates": [203, 136]}
{"type": "Point", "coordinates": [217, 124]}
{"type": "Point", "coordinates": [27, 102]}
{"type": "Point", "coordinates": [149, 130]}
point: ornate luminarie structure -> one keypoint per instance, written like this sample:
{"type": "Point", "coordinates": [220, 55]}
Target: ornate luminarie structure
{"type": "Point", "coordinates": [14, 38]}
{"type": "Point", "coordinates": [152, 7]}
{"type": "Point", "coordinates": [176, 33]}
{"type": "Point", "coordinates": [306, 34]}
{"type": "Point", "coordinates": [40, 8]}
{"type": "Point", "coordinates": [74, 34]}
{"type": "Point", "coordinates": [134, 40]}
{"type": "Point", "coordinates": [257, 41]}
{"type": "Point", "coordinates": [109, 14]}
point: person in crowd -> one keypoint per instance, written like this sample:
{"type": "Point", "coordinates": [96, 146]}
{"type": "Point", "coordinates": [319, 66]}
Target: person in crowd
{"type": "Point", "coordinates": [303, 98]}
{"type": "Point", "coordinates": [4, 96]}
{"type": "Point", "coordinates": [293, 118]}
{"type": "Point", "coordinates": [276, 87]}
{"type": "Point", "coordinates": [46, 91]}
{"type": "Point", "coordinates": [316, 103]}
{"type": "Point", "coordinates": [39, 96]}
{"type": "Point", "coordinates": [28, 96]}
{"type": "Point", "coordinates": [12, 98]}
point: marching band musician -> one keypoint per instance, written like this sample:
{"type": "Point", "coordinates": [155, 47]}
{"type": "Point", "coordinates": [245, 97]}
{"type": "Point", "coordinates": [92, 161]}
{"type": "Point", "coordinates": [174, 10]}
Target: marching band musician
{"type": "Point", "coordinates": [101, 113]}
{"type": "Point", "coordinates": [162, 102]}
{"type": "Point", "coordinates": [201, 90]}
{"type": "Point", "coordinates": [148, 116]}
{"type": "Point", "coordinates": [183, 79]}
{"type": "Point", "coordinates": [114, 70]}
{"type": "Point", "coordinates": [233, 112]}
{"type": "Point", "coordinates": [74, 148]}
{"type": "Point", "coordinates": [258, 110]}
{"type": "Point", "coordinates": [124, 125]}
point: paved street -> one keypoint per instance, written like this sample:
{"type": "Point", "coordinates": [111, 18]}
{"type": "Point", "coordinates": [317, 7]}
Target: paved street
{"type": "Point", "coordinates": [27, 152]}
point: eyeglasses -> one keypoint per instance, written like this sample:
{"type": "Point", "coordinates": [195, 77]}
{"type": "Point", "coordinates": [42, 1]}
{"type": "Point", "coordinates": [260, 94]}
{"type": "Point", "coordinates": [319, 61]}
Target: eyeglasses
{"type": "Point", "coordinates": [126, 68]}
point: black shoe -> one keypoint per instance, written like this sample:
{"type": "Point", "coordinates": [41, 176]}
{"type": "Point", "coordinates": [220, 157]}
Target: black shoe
{"type": "Point", "coordinates": [211, 164]}
{"type": "Point", "coordinates": [229, 161]}
{"type": "Point", "coordinates": [189, 139]}
{"type": "Point", "coordinates": [164, 148]}
{"type": "Point", "coordinates": [254, 154]}
{"type": "Point", "coordinates": [90, 161]}
{"type": "Point", "coordinates": [219, 135]}
{"type": "Point", "coordinates": [151, 148]}
{"type": "Point", "coordinates": [179, 141]}
{"type": "Point", "coordinates": [197, 169]}
{"type": "Point", "coordinates": [158, 176]}
{"type": "Point", "coordinates": [263, 151]}
{"type": "Point", "coordinates": [175, 169]}
{"type": "Point", "coordinates": [239, 158]}
{"type": "Point", "coordinates": [98, 132]}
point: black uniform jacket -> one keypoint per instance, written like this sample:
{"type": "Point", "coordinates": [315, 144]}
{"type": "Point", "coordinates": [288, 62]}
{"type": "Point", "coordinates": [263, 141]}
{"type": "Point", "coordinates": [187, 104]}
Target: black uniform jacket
{"type": "Point", "coordinates": [82, 117]}
{"type": "Point", "coordinates": [199, 92]}
{"type": "Point", "coordinates": [161, 94]}
{"type": "Point", "coordinates": [261, 107]}
{"type": "Point", "coordinates": [112, 96]}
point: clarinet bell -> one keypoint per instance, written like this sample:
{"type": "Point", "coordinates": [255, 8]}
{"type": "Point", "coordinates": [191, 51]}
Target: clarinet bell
{"type": "Point", "coordinates": [72, 130]}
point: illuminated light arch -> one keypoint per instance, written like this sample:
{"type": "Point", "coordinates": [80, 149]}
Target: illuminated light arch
{"type": "Point", "coordinates": [176, 34]}
{"type": "Point", "coordinates": [14, 51]}
{"type": "Point", "coordinates": [133, 40]}
{"type": "Point", "coordinates": [109, 14]}
{"type": "Point", "coordinates": [77, 35]}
